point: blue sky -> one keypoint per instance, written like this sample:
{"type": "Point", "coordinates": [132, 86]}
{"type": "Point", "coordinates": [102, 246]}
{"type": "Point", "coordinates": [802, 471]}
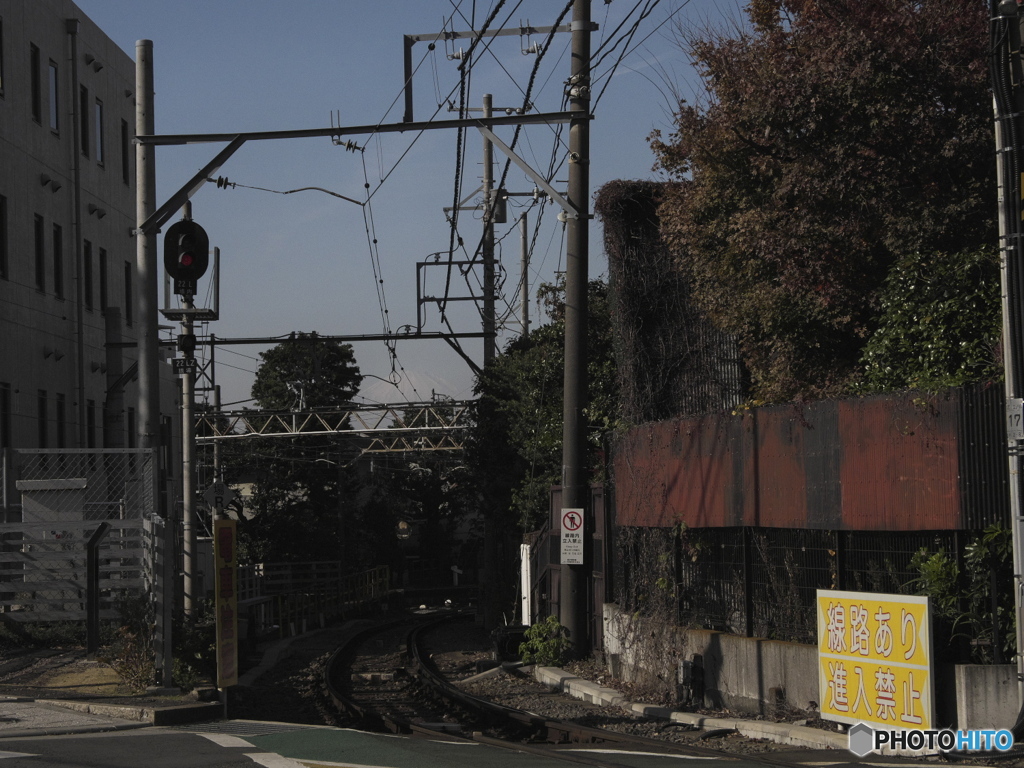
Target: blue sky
{"type": "Point", "coordinates": [306, 261]}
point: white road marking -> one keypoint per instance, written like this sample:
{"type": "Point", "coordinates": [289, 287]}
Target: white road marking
{"type": "Point", "coordinates": [642, 754]}
{"type": "Point", "coordinates": [15, 754]}
{"type": "Point", "coordinates": [223, 740]}
{"type": "Point", "coordinates": [273, 760]}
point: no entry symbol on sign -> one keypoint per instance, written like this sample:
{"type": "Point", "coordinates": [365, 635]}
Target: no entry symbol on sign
{"type": "Point", "coordinates": [572, 520]}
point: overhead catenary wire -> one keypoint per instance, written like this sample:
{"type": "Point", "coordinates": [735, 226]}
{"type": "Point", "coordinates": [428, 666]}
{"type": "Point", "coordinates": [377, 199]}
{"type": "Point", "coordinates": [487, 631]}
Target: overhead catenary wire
{"type": "Point", "coordinates": [457, 243]}
{"type": "Point", "coordinates": [607, 77]}
{"type": "Point", "coordinates": [526, 105]}
{"type": "Point", "coordinates": [459, 156]}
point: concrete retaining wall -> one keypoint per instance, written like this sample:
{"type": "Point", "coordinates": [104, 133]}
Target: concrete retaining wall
{"type": "Point", "coordinates": [986, 696]}
{"type": "Point", "coordinates": [758, 676]}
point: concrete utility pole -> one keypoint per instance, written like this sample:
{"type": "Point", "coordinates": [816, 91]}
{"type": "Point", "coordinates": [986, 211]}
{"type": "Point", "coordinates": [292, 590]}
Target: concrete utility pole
{"type": "Point", "coordinates": [488, 241]}
{"type": "Point", "coordinates": [1009, 100]}
{"type": "Point", "coordinates": [148, 343]}
{"type": "Point", "coordinates": [524, 267]}
{"type": "Point", "coordinates": [573, 595]}
{"type": "Point", "coordinates": [145, 257]}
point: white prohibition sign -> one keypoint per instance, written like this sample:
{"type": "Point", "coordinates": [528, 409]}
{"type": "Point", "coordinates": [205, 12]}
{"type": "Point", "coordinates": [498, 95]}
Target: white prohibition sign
{"type": "Point", "coordinates": [572, 520]}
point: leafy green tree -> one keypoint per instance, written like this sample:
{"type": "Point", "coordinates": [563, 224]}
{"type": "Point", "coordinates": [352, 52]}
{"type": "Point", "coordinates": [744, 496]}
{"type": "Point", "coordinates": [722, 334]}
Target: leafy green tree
{"type": "Point", "coordinates": [835, 137]}
{"type": "Point", "coordinates": [302, 505]}
{"type": "Point", "coordinates": [306, 373]}
{"type": "Point", "coordinates": [939, 325]}
{"type": "Point", "coordinates": [516, 452]}
{"type": "Point", "coordinates": [433, 494]}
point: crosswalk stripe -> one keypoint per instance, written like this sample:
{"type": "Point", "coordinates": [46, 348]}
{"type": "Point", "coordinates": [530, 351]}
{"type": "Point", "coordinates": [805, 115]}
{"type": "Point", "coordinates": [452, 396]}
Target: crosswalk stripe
{"type": "Point", "coordinates": [224, 740]}
{"type": "Point", "coordinates": [273, 760]}
{"type": "Point", "coordinates": [641, 754]}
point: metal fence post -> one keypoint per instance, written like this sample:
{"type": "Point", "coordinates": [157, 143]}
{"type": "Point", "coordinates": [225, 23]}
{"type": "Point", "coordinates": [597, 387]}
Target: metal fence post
{"type": "Point", "coordinates": [748, 584]}
{"type": "Point", "coordinates": [92, 589]}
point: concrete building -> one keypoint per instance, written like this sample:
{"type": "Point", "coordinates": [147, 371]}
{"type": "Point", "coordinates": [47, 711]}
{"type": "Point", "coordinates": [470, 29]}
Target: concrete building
{"type": "Point", "coordinates": [68, 309]}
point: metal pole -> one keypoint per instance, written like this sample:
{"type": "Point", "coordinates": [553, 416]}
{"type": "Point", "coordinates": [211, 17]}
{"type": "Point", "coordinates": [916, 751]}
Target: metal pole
{"type": "Point", "coordinates": [488, 242]}
{"type": "Point", "coordinates": [216, 414]}
{"type": "Point", "coordinates": [188, 479]}
{"type": "Point", "coordinates": [92, 588]}
{"type": "Point", "coordinates": [573, 593]}
{"type": "Point", "coordinates": [1008, 101]}
{"type": "Point", "coordinates": [524, 267]}
{"type": "Point", "coordinates": [146, 300]}
{"type": "Point", "coordinates": [1011, 355]}
{"type": "Point", "coordinates": [146, 263]}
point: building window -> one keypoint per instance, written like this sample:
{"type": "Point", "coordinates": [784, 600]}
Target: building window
{"type": "Point", "coordinates": [90, 423]}
{"type": "Point", "coordinates": [83, 118]}
{"type": "Point", "coordinates": [54, 98]}
{"type": "Point", "coordinates": [128, 293]}
{"type": "Point", "coordinates": [87, 274]}
{"type": "Point", "coordinates": [98, 122]}
{"type": "Point", "coordinates": [126, 143]}
{"type": "Point", "coordinates": [40, 253]}
{"type": "Point", "coordinates": [62, 421]}
{"type": "Point", "coordinates": [42, 418]}
{"type": "Point", "coordinates": [5, 415]}
{"type": "Point", "coordinates": [58, 261]}
{"type": "Point", "coordinates": [37, 84]}
{"type": "Point", "coordinates": [104, 296]}
{"type": "Point", "coordinates": [3, 238]}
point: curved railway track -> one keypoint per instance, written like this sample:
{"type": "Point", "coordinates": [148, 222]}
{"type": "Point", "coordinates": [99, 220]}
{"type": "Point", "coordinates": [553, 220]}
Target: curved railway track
{"type": "Point", "coordinates": [416, 697]}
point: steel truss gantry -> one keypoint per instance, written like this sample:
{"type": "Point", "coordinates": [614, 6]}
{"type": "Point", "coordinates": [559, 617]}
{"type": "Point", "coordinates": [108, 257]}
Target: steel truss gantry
{"type": "Point", "coordinates": [406, 427]}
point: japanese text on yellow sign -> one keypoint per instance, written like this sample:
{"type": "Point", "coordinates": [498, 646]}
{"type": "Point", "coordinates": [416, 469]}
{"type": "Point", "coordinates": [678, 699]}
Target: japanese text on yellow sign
{"type": "Point", "coordinates": [874, 659]}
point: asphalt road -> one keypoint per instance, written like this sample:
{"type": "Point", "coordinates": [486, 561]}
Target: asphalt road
{"type": "Point", "coordinates": [281, 746]}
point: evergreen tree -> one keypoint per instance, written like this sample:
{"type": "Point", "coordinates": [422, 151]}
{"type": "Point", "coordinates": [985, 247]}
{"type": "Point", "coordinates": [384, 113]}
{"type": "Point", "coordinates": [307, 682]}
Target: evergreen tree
{"type": "Point", "coordinates": [302, 506]}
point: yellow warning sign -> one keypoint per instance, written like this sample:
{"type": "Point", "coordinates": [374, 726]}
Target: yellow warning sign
{"type": "Point", "coordinates": [874, 659]}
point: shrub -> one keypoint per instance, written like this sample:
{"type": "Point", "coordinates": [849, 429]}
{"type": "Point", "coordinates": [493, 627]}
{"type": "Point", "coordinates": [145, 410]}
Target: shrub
{"type": "Point", "coordinates": [547, 643]}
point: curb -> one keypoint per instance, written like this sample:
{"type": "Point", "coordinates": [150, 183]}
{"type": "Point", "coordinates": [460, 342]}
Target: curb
{"type": "Point", "coordinates": [71, 730]}
{"type": "Point", "coordinates": [781, 733]}
{"type": "Point", "coordinates": [175, 715]}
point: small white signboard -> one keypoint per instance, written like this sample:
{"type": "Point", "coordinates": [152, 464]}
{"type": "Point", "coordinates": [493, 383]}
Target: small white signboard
{"type": "Point", "coordinates": [572, 536]}
{"type": "Point", "coordinates": [1015, 418]}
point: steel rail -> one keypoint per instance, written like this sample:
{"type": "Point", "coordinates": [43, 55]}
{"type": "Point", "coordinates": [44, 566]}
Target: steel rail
{"type": "Point", "coordinates": [559, 732]}
{"type": "Point", "coordinates": [552, 733]}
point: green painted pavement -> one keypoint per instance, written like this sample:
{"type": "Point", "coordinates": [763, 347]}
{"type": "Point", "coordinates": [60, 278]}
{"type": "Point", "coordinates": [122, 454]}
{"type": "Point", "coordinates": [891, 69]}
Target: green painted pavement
{"type": "Point", "coordinates": [341, 747]}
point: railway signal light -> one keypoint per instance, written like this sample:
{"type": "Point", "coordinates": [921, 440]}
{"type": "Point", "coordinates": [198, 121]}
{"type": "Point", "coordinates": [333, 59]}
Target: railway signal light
{"type": "Point", "coordinates": [186, 253]}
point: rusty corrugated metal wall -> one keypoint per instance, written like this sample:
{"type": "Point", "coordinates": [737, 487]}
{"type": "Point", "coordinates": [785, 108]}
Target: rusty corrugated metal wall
{"type": "Point", "coordinates": [909, 461]}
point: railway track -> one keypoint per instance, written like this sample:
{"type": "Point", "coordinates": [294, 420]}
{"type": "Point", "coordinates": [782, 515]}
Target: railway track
{"type": "Point", "coordinates": [414, 696]}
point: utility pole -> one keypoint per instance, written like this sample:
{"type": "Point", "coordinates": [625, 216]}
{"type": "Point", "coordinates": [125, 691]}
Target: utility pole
{"type": "Point", "coordinates": [487, 247]}
{"type": "Point", "coordinates": [524, 267]}
{"type": "Point", "coordinates": [573, 594]}
{"type": "Point", "coordinates": [145, 260]}
{"type": "Point", "coordinates": [1009, 100]}
{"type": "Point", "coordinates": [146, 299]}
{"type": "Point", "coordinates": [188, 452]}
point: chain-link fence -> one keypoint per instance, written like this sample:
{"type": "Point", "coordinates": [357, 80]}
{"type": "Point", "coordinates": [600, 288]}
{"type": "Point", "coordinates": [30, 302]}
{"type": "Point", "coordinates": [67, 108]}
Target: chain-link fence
{"type": "Point", "coordinates": [761, 582]}
{"type": "Point", "coordinates": [53, 503]}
